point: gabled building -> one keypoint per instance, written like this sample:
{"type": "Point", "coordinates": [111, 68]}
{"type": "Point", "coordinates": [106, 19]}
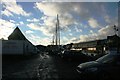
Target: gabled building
{"type": "Point", "coordinates": [18, 44]}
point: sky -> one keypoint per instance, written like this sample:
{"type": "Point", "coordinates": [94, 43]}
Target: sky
{"type": "Point", "coordinates": [79, 21]}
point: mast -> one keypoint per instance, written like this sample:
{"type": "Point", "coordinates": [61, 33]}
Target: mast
{"type": "Point", "coordinates": [56, 32]}
{"type": "Point", "coordinates": [58, 28]}
{"type": "Point", "coordinates": [53, 40]}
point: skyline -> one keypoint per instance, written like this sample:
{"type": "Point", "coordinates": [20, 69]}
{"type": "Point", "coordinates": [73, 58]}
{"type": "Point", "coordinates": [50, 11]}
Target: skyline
{"type": "Point", "coordinates": [79, 21]}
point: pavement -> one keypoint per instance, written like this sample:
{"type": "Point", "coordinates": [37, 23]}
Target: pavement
{"type": "Point", "coordinates": [41, 67]}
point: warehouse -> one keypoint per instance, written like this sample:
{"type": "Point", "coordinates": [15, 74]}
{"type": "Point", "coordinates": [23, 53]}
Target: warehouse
{"type": "Point", "coordinates": [99, 46]}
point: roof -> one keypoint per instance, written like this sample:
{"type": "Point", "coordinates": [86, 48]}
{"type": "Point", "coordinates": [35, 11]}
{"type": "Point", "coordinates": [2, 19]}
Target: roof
{"type": "Point", "coordinates": [16, 35]}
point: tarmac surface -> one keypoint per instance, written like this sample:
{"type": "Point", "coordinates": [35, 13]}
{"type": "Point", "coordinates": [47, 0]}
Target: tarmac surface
{"type": "Point", "coordinates": [39, 67]}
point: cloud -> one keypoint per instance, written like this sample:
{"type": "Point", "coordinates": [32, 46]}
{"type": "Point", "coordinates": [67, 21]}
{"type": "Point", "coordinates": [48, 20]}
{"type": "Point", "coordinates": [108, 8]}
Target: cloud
{"type": "Point", "coordinates": [91, 31]}
{"type": "Point", "coordinates": [33, 20]}
{"type": "Point", "coordinates": [29, 32]}
{"type": "Point", "coordinates": [37, 40]}
{"type": "Point", "coordinates": [111, 20]}
{"type": "Point", "coordinates": [101, 34]}
{"type": "Point", "coordinates": [50, 11]}
{"type": "Point", "coordinates": [49, 25]}
{"type": "Point", "coordinates": [77, 29]}
{"type": "Point", "coordinates": [13, 7]}
{"type": "Point", "coordinates": [107, 19]}
{"type": "Point", "coordinates": [70, 34]}
{"type": "Point", "coordinates": [19, 17]}
{"type": "Point", "coordinates": [33, 26]}
{"type": "Point", "coordinates": [34, 39]}
{"type": "Point", "coordinates": [12, 21]}
{"type": "Point", "coordinates": [69, 14]}
{"type": "Point", "coordinates": [6, 28]}
{"type": "Point", "coordinates": [73, 40]}
{"type": "Point", "coordinates": [49, 21]}
{"type": "Point", "coordinates": [93, 23]}
{"type": "Point", "coordinates": [65, 40]}
{"type": "Point", "coordinates": [44, 29]}
{"type": "Point", "coordinates": [47, 30]}
{"type": "Point", "coordinates": [6, 12]}
{"type": "Point", "coordinates": [72, 14]}
{"type": "Point", "coordinates": [17, 24]}
{"type": "Point", "coordinates": [21, 22]}
{"type": "Point", "coordinates": [61, 8]}
{"type": "Point", "coordinates": [107, 31]}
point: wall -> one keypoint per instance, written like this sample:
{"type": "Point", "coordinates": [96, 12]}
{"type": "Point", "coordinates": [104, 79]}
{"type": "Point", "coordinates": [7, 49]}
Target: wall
{"type": "Point", "coordinates": [12, 47]}
{"type": "Point", "coordinates": [0, 59]}
{"type": "Point", "coordinates": [18, 47]}
{"type": "Point", "coordinates": [29, 48]}
{"type": "Point", "coordinates": [119, 19]}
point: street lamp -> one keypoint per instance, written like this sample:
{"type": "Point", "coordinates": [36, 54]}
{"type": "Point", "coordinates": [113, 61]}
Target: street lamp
{"type": "Point", "coordinates": [115, 29]}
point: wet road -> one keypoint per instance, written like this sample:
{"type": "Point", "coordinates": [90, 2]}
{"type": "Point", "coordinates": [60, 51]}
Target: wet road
{"type": "Point", "coordinates": [41, 67]}
{"type": "Point", "coordinates": [20, 67]}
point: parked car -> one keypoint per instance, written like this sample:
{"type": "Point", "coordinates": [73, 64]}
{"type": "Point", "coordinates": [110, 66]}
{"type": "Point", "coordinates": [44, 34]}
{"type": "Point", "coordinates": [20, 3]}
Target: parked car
{"type": "Point", "coordinates": [64, 54]}
{"type": "Point", "coordinates": [74, 55]}
{"type": "Point", "coordinates": [104, 68]}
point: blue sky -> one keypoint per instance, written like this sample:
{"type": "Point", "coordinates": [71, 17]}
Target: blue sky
{"type": "Point", "coordinates": [79, 21]}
